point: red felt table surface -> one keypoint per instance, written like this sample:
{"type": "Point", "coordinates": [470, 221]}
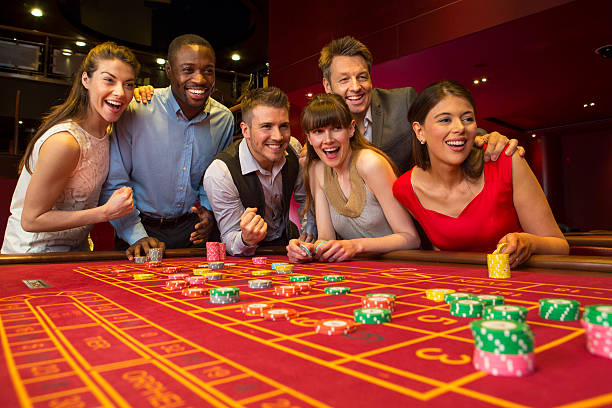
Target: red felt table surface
{"type": "Point", "coordinates": [101, 338]}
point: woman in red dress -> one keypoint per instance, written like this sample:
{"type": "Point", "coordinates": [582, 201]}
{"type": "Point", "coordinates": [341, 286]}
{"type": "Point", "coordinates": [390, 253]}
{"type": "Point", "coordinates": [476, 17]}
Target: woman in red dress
{"type": "Point", "coordinates": [463, 203]}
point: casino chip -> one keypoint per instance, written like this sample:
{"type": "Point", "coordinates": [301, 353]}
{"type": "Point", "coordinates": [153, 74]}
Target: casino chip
{"type": "Point", "coordinates": [334, 327]}
{"type": "Point", "coordinates": [284, 269]}
{"type": "Point", "coordinates": [285, 290]}
{"type": "Point", "coordinates": [380, 302]}
{"type": "Point", "coordinates": [194, 292]}
{"type": "Point", "coordinates": [456, 296]}
{"type": "Point", "coordinates": [279, 314]}
{"type": "Point", "coordinates": [505, 312]}
{"type": "Point", "coordinates": [172, 269]}
{"type": "Point", "coordinates": [176, 284]}
{"type": "Point", "coordinates": [256, 309]}
{"type": "Point", "coordinates": [337, 290]}
{"type": "Point", "coordinates": [437, 295]}
{"type": "Point", "coordinates": [201, 271]}
{"type": "Point", "coordinates": [489, 299]}
{"type": "Point", "coordinates": [333, 278]}
{"type": "Point", "coordinates": [260, 283]}
{"type": "Point", "coordinates": [302, 286]}
{"type": "Point", "coordinates": [563, 310]}
{"type": "Point", "coordinates": [261, 273]}
{"type": "Point", "coordinates": [259, 260]}
{"type": "Point", "coordinates": [299, 278]}
{"type": "Point", "coordinates": [466, 308]}
{"type": "Point", "coordinates": [391, 295]}
{"type": "Point", "coordinates": [598, 328]}
{"type": "Point", "coordinates": [372, 315]}
{"type": "Point", "coordinates": [143, 276]}
{"type": "Point", "coordinates": [224, 295]}
{"type": "Point", "coordinates": [306, 250]}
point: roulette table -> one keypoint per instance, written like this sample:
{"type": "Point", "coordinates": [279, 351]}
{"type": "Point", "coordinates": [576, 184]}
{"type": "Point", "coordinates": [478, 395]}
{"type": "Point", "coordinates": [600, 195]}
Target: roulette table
{"type": "Point", "coordinates": [78, 330]}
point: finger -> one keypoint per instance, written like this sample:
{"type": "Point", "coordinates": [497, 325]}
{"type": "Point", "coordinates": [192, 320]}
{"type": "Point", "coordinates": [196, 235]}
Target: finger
{"type": "Point", "coordinates": [161, 245]}
{"type": "Point", "coordinates": [137, 94]}
{"type": "Point", "coordinates": [512, 147]}
{"type": "Point", "coordinates": [136, 250]}
{"type": "Point", "coordinates": [479, 141]}
{"type": "Point", "coordinates": [129, 253]}
{"type": "Point", "coordinates": [521, 151]}
{"type": "Point", "coordinates": [150, 91]}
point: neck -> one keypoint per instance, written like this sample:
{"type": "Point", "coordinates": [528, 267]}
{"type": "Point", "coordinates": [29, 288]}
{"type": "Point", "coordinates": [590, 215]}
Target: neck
{"type": "Point", "coordinates": [447, 175]}
{"type": "Point", "coordinates": [187, 110]}
{"type": "Point", "coordinates": [93, 124]}
{"type": "Point", "coordinates": [343, 169]}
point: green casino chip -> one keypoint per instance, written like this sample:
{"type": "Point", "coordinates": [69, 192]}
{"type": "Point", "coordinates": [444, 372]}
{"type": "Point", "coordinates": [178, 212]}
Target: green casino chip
{"type": "Point", "coordinates": [598, 314]}
{"type": "Point", "coordinates": [489, 300]}
{"type": "Point", "coordinates": [502, 336]}
{"type": "Point", "coordinates": [299, 278]}
{"type": "Point", "coordinates": [563, 310]}
{"type": "Point", "coordinates": [227, 291]}
{"type": "Point", "coordinates": [505, 312]}
{"type": "Point", "coordinates": [337, 290]}
{"type": "Point", "coordinates": [333, 278]}
{"type": "Point", "coordinates": [372, 315]}
{"type": "Point", "coordinates": [466, 308]}
{"type": "Point", "coordinates": [456, 296]}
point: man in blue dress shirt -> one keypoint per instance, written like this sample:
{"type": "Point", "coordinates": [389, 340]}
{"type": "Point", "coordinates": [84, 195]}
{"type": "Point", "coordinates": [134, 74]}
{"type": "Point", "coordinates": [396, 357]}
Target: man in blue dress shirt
{"type": "Point", "coordinates": [162, 149]}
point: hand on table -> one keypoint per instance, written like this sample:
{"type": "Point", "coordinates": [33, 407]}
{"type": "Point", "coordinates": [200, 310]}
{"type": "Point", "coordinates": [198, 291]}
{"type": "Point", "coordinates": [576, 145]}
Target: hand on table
{"type": "Point", "coordinates": [296, 254]}
{"type": "Point", "coordinates": [253, 227]}
{"type": "Point", "coordinates": [519, 248]}
{"type": "Point", "coordinates": [337, 251]}
{"type": "Point", "coordinates": [143, 93]}
{"type": "Point", "coordinates": [142, 246]}
{"type": "Point", "coordinates": [202, 228]}
{"type": "Point", "coordinates": [496, 143]}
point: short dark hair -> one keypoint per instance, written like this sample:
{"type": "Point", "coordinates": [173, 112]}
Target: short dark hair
{"type": "Point", "coordinates": [346, 46]}
{"type": "Point", "coordinates": [186, 39]}
{"type": "Point", "coordinates": [272, 97]}
{"type": "Point", "coordinates": [425, 101]}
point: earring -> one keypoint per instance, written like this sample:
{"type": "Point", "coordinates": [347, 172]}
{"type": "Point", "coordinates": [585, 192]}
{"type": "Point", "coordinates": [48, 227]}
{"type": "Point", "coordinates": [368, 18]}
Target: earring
{"type": "Point", "coordinates": [422, 141]}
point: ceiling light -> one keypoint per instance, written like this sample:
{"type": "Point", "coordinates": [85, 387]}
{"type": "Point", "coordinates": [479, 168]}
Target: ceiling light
{"type": "Point", "coordinates": [236, 56]}
{"type": "Point", "coordinates": [80, 43]}
{"type": "Point", "coordinates": [160, 61]}
{"type": "Point", "coordinates": [36, 12]}
{"type": "Point", "coordinates": [585, 105]}
{"type": "Point", "coordinates": [533, 135]}
{"type": "Point", "coordinates": [592, 104]}
{"type": "Point", "coordinates": [67, 52]}
{"type": "Point", "coordinates": [483, 79]}
{"type": "Point", "coordinates": [476, 82]}
{"type": "Point", "coordinates": [21, 122]}
{"type": "Point", "coordinates": [309, 94]}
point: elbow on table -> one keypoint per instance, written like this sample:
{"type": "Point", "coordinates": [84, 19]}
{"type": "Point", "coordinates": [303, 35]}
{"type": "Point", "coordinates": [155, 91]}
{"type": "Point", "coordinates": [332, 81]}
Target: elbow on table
{"type": "Point", "coordinates": [29, 224]}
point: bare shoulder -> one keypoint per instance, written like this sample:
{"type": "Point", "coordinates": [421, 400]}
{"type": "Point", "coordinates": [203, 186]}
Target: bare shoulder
{"type": "Point", "coordinates": [369, 162]}
{"type": "Point", "coordinates": [316, 171]}
{"type": "Point", "coordinates": [61, 142]}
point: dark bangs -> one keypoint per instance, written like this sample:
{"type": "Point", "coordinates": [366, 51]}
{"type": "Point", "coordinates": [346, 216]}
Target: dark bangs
{"type": "Point", "coordinates": [325, 110]}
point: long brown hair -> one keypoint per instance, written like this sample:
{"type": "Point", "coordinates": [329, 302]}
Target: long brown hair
{"type": "Point", "coordinates": [75, 106]}
{"type": "Point", "coordinates": [472, 166]}
{"type": "Point", "coordinates": [330, 110]}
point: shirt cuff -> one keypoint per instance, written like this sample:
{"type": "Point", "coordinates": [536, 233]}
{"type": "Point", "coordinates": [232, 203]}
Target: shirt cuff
{"type": "Point", "coordinates": [236, 246]}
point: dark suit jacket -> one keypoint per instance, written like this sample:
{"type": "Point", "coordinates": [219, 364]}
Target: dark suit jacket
{"type": "Point", "coordinates": [391, 131]}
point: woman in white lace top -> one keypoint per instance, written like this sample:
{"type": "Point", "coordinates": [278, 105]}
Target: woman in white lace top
{"type": "Point", "coordinates": [348, 182]}
{"type": "Point", "coordinates": [56, 198]}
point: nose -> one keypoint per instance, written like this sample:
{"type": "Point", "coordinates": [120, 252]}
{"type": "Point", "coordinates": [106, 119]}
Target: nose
{"type": "Point", "coordinates": [458, 125]}
{"type": "Point", "coordinates": [119, 89]}
{"type": "Point", "coordinates": [355, 84]}
{"type": "Point", "coordinates": [276, 133]}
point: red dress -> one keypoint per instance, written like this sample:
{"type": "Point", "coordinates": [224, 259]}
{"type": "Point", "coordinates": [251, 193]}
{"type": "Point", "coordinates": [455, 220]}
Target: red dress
{"type": "Point", "coordinates": [482, 223]}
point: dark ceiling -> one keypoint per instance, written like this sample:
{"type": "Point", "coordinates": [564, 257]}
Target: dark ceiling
{"type": "Point", "coordinates": [148, 26]}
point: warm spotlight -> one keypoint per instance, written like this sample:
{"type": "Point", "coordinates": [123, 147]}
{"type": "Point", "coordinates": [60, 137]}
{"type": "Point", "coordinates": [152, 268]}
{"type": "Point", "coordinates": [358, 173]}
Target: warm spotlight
{"type": "Point", "coordinates": [236, 56]}
{"type": "Point", "coordinates": [160, 61]}
{"type": "Point", "coordinates": [80, 43]}
{"type": "Point", "coordinates": [36, 12]}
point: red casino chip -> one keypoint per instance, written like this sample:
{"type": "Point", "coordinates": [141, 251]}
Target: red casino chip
{"type": "Point", "coordinates": [259, 260]}
{"type": "Point", "coordinates": [194, 292]}
{"type": "Point", "coordinates": [178, 276]}
{"type": "Point", "coordinates": [153, 264]}
{"type": "Point", "coordinates": [176, 284]}
{"type": "Point", "coordinates": [302, 286]}
{"type": "Point", "coordinates": [212, 252]}
{"type": "Point", "coordinates": [279, 314]}
{"type": "Point", "coordinates": [256, 309]}
{"type": "Point", "coordinates": [333, 327]}
{"type": "Point", "coordinates": [380, 302]}
{"type": "Point", "coordinates": [172, 269]}
{"type": "Point", "coordinates": [285, 290]}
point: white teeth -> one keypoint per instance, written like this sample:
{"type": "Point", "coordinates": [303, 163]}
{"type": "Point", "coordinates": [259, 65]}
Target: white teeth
{"type": "Point", "coordinates": [197, 91]}
{"type": "Point", "coordinates": [455, 142]}
{"type": "Point", "coordinates": [353, 98]}
{"type": "Point", "coordinates": [117, 104]}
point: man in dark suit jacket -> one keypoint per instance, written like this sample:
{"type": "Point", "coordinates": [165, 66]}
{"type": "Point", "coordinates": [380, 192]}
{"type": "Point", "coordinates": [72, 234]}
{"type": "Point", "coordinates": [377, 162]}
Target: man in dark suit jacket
{"type": "Point", "coordinates": [381, 114]}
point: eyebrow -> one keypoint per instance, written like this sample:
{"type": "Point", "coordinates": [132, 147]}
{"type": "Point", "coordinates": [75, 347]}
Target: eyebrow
{"type": "Point", "coordinates": [448, 113]}
{"type": "Point", "coordinates": [114, 77]}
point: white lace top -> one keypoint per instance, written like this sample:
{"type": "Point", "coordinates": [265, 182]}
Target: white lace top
{"type": "Point", "coordinates": [81, 192]}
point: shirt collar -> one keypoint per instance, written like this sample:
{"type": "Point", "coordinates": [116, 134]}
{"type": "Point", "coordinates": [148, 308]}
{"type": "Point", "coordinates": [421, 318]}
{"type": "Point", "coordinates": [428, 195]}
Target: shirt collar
{"type": "Point", "coordinates": [179, 113]}
{"type": "Point", "coordinates": [248, 164]}
{"type": "Point", "coordinates": [368, 117]}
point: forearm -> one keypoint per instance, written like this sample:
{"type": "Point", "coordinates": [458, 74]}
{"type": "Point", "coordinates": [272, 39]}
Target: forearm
{"type": "Point", "coordinates": [547, 245]}
{"type": "Point", "coordinates": [58, 220]}
{"type": "Point", "coordinates": [393, 242]}
{"type": "Point", "coordinates": [236, 246]}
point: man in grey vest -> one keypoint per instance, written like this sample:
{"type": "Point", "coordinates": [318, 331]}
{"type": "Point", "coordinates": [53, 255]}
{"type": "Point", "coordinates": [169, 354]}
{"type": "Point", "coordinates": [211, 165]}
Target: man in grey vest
{"type": "Point", "coordinates": [250, 184]}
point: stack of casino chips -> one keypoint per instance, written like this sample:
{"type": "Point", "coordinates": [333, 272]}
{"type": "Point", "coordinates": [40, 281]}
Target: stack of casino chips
{"type": "Point", "coordinates": [449, 297]}
{"type": "Point", "coordinates": [202, 271]}
{"type": "Point", "coordinates": [256, 309]}
{"type": "Point", "coordinates": [196, 280]}
{"type": "Point", "coordinates": [597, 323]}
{"type": "Point", "coordinates": [466, 308]}
{"type": "Point", "coordinates": [140, 259]}
{"type": "Point", "coordinates": [437, 295]}
{"type": "Point", "coordinates": [334, 327]}
{"type": "Point", "coordinates": [302, 286]}
{"type": "Point", "coordinates": [299, 278]}
{"type": "Point", "coordinates": [284, 269]}
{"type": "Point", "coordinates": [261, 273]}
{"type": "Point", "coordinates": [563, 310]}
{"type": "Point", "coordinates": [286, 290]}
{"type": "Point", "coordinates": [215, 251]}
{"type": "Point", "coordinates": [259, 260]}
{"type": "Point", "coordinates": [273, 265]}
{"type": "Point", "coordinates": [276, 314]}
{"type": "Point", "coordinates": [498, 264]}
{"type": "Point", "coordinates": [333, 278]}
{"type": "Point", "coordinates": [488, 300]}
{"type": "Point", "coordinates": [503, 347]}
{"type": "Point", "coordinates": [260, 283]}
{"type": "Point", "coordinates": [505, 312]}
{"type": "Point", "coordinates": [337, 290]}
{"type": "Point", "coordinates": [177, 281]}
{"type": "Point", "coordinates": [155, 255]}
{"type": "Point", "coordinates": [194, 292]}
{"type": "Point", "coordinates": [213, 275]}
{"type": "Point", "coordinates": [143, 276]}
{"type": "Point", "coordinates": [376, 308]}
{"type": "Point", "coordinates": [224, 295]}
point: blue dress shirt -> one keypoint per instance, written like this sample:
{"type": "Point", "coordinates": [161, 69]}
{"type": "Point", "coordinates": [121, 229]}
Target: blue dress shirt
{"type": "Point", "coordinates": [162, 156]}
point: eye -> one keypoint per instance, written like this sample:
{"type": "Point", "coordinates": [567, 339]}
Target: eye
{"type": "Point", "coordinates": [108, 79]}
{"type": "Point", "coordinates": [468, 119]}
{"type": "Point", "coordinates": [129, 85]}
{"type": "Point", "coordinates": [364, 77]}
{"type": "Point", "coordinates": [444, 120]}
{"type": "Point", "coordinates": [284, 126]}
{"type": "Point", "coordinates": [187, 70]}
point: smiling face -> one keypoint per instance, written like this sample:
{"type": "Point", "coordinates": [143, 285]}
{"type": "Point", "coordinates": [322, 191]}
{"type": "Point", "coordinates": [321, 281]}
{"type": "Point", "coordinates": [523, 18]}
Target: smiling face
{"type": "Point", "coordinates": [191, 71]}
{"type": "Point", "coordinates": [268, 134]}
{"type": "Point", "coordinates": [332, 144]}
{"type": "Point", "coordinates": [449, 130]}
{"type": "Point", "coordinates": [110, 89]}
{"type": "Point", "coordinates": [350, 78]}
